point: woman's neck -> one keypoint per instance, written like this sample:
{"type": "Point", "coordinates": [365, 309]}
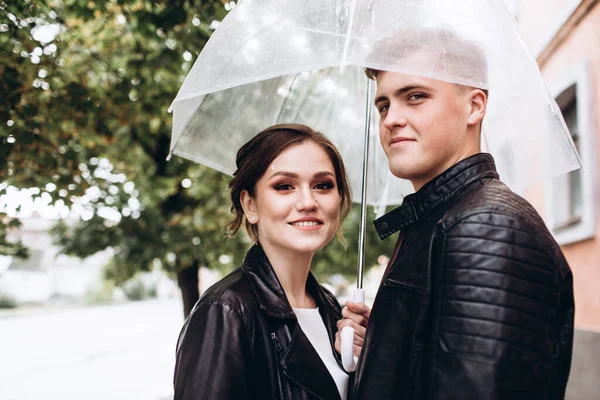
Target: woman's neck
{"type": "Point", "coordinates": [292, 268]}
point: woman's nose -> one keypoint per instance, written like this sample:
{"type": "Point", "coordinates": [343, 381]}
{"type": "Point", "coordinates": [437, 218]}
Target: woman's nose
{"type": "Point", "coordinates": [306, 201]}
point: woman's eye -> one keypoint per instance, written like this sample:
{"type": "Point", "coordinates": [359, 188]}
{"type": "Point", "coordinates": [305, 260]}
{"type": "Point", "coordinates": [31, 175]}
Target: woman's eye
{"type": "Point", "coordinates": [384, 108]}
{"type": "Point", "coordinates": [324, 185]}
{"type": "Point", "coordinates": [284, 186]}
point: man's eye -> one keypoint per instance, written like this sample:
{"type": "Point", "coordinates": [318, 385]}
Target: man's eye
{"type": "Point", "coordinates": [384, 108]}
{"type": "Point", "coordinates": [416, 96]}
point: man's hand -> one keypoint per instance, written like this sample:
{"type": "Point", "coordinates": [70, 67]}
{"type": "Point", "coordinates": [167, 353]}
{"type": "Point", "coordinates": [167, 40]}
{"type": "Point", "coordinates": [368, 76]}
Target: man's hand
{"type": "Point", "coordinates": [356, 315]}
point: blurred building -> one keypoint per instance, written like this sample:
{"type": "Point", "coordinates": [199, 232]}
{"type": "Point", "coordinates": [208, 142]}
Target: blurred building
{"type": "Point", "coordinates": [47, 275]}
{"type": "Point", "coordinates": [564, 36]}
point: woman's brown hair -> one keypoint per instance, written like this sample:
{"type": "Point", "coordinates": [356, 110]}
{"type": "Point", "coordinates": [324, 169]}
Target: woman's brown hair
{"type": "Point", "coordinates": [254, 157]}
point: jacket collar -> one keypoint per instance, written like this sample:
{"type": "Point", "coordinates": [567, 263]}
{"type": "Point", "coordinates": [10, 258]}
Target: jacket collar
{"type": "Point", "coordinates": [436, 192]}
{"type": "Point", "coordinates": [268, 289]}
{"type": "Point", "coordinates": [300, 361]}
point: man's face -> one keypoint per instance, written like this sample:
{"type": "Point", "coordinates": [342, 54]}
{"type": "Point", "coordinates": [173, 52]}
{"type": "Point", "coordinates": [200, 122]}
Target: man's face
{"type": "Point", "coordinates": [424, 125]}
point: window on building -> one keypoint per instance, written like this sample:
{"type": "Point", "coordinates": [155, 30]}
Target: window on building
{"type": "Point", "coordinates": [568, 188]}
{"type": "Point", "coordinates": [570, 197]}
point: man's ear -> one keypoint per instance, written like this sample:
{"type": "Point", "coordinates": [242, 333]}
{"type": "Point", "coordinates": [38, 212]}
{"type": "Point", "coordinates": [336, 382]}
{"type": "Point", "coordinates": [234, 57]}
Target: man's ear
{"type": "Point", "coordinates": [478, 106]}
{"type": "Point", "coordinates": [249, 207]}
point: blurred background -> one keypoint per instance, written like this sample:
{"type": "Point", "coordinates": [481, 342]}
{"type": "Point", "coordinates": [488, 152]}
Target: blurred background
{"type": "Point", "coordinates": [105, 246]}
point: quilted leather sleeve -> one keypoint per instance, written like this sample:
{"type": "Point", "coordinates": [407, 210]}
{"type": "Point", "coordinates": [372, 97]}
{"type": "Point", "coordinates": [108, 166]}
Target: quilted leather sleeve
{"type": "Point", "coordinates": [212, 354]}
{"type": "Point", "coordinates": [496, 295]}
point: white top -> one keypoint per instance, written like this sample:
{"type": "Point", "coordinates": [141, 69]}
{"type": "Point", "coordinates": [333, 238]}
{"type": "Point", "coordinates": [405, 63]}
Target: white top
{"type": "Point", "coordinates": [313, 327]}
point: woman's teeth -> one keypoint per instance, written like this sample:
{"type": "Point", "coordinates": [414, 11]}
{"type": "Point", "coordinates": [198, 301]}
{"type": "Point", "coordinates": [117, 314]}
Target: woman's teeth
{"type": "Point", "coordinates": [306, 223]}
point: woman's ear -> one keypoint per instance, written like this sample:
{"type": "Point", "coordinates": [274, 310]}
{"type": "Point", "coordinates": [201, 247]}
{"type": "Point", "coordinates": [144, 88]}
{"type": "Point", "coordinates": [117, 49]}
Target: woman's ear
{"type": "Point", "coordinates": [249, 206]}
{"type": "Point", "coordinates": [478, 102]}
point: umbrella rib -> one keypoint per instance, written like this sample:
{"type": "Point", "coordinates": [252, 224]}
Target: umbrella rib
{"type": "Point", "coordinates": [285, 102]}
{"type": "Point", "coordinates": [359, 38]}
{"type": "Point", "coordinates": [187, 123]}
{"type": "Point", "coordinates": [302, 103]}
{"type": "Point", "coordinates": [348, 32]}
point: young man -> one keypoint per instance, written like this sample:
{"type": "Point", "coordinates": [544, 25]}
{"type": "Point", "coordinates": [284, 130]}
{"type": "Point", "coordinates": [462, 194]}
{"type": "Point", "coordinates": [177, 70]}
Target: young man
{"type": "Point", "coordinates": [477, 299]}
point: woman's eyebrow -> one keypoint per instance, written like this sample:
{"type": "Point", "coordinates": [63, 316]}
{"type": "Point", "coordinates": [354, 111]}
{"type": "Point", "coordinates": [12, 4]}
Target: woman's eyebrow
{"type": "Point", "coordinates": [284, 173]}
{"type": "Point", "coordinates": [324, 173]}
{"type": "Point", "coordinates": [295, 175]}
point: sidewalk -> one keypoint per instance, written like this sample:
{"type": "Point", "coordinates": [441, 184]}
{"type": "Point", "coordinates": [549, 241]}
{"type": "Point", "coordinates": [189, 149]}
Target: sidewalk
{"type": "Point", "coordinates": [117, 352]}
{"type": "Point", "coordinates": [28, 310]}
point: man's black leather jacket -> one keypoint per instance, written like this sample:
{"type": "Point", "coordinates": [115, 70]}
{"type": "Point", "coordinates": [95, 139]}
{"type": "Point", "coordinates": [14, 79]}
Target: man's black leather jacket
{"type": "Point", "coordinates": [478, 300]}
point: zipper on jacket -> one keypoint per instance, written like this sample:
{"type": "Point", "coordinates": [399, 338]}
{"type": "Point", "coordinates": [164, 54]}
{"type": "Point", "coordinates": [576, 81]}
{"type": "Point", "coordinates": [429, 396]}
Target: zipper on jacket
{"type": "Point", "coordinates": [405, 285]}
{"type": "Point", "coordinates": [276, 341]}
{"type": "Point", "coordinates": [413, 370]}
{"type": "Point", "coordinates": [278, 358]}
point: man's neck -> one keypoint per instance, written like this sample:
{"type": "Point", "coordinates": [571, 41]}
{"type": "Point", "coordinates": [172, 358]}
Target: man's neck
{"type": "Point", "coordinates": [418, 183]}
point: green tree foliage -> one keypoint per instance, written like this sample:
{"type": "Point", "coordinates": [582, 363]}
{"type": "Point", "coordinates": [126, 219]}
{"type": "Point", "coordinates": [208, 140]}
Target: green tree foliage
{"type": "Point", "coordinates": [9, 248]}
{"type": "Point", "coordinates": [84, 89]}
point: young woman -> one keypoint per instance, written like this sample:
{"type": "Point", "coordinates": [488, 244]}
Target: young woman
{"type": "Point", "coordinates": [267, 330]}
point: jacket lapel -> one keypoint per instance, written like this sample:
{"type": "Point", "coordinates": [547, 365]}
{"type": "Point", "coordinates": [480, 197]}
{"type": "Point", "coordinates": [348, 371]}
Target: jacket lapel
{"type": "Point", "coordinates": [301, 362]}
{"type": "Point", "coordinates": [303, 365]}
{"type": "Point", "coordinates": [263, 281]}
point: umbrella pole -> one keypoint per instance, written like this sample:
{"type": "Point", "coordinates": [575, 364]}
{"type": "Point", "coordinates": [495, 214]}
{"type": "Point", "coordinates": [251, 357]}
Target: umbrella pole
{"type": "Point", "coordinates": [349, 361]}
{"type": "Point", "coordinates": [363, 203]}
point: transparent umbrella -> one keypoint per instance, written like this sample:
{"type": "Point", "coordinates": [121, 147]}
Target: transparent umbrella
{"type": "Point", "coordinates": [278, 61]}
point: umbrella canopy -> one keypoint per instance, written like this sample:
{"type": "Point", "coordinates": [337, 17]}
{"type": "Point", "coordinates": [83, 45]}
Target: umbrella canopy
{"type": "Point", "coordinates": [326, 100]}
{"type": "Point", "coordinates": [277, 61]}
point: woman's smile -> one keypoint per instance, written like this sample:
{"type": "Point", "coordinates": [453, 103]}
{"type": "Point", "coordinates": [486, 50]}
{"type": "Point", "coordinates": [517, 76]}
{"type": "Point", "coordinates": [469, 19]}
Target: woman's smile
{"type": "Point", "coordinates": [299, 191]}
{"type": "Point", "coordinates": [309, 225]}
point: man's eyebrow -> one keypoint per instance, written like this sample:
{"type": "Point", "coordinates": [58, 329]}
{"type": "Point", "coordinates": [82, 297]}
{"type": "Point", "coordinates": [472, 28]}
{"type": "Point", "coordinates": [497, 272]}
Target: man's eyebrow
{"type": "Point", "coordinates": [380, 98]}
{"type": "Point", "coordinates": [401, 91]}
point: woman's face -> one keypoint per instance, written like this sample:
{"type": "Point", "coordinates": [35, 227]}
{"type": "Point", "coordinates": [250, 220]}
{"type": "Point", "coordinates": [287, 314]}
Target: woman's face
{"type": "Point", "coordinates": [296, 203]}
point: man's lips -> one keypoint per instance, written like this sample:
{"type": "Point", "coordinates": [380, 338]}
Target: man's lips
{"type": "Point", "coordinates": [397, 140]}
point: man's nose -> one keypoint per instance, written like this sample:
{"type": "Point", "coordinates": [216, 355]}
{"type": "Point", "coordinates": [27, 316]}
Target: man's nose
{"type": "Point", "coordinates": [394, 118]}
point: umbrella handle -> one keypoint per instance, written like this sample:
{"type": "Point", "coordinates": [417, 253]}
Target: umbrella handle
{"type": "Point", "coordinates": [349, 360]}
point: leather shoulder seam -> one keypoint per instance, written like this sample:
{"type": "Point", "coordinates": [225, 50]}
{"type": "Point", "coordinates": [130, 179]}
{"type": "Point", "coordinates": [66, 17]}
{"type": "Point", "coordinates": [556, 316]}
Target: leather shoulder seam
{"type": "Point", "coordinates": [224, 304]}
{"type": "Point", "coordinates": [464, 217]}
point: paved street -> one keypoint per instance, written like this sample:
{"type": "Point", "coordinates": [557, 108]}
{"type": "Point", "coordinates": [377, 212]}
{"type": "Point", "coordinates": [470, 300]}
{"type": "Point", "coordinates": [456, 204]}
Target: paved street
{"type": "Point", "coordinates": [111, 352]}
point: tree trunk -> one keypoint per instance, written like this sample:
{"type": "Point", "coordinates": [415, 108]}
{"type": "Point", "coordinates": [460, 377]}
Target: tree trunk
{"type": "Point", "coordinates": [187, 279]}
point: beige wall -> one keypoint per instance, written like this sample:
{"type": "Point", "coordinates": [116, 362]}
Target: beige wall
{"type": "Point", "coordinates": [582, 44]}
{"type": "Point", "coordinates": [539, 19]}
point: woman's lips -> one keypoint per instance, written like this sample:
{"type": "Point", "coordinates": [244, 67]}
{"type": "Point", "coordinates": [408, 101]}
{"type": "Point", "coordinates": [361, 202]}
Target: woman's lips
{"type": "Point", "coordinates": [307, 224]}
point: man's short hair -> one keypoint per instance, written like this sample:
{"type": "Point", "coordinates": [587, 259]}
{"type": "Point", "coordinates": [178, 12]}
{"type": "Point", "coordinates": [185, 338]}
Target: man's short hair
{"type": "Point", "coordinates": [445, 55]}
